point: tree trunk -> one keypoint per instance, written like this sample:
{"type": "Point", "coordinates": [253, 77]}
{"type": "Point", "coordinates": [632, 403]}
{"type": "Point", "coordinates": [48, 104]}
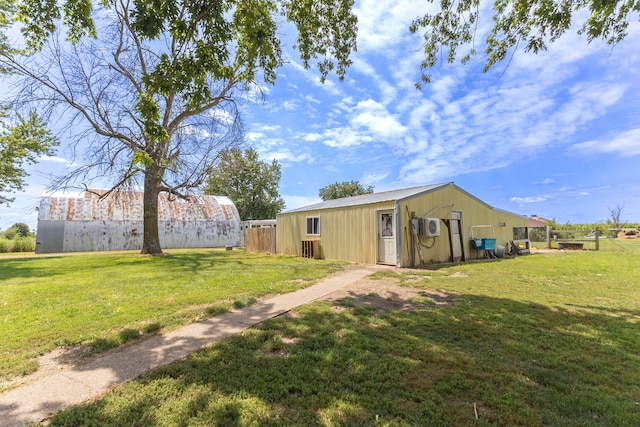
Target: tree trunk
{"type": "Point", "coordinates": [151, 235]}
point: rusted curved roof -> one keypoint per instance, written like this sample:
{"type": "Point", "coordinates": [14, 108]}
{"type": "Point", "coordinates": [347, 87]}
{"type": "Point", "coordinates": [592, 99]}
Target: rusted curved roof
{"type": "Point", "coordinates": [128, 206]}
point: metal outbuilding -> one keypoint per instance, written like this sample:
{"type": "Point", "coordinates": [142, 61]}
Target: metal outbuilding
{"type": "Point", "coordinates": [115, 222]}
{"type": "Point", "coordinates": [403, 228]}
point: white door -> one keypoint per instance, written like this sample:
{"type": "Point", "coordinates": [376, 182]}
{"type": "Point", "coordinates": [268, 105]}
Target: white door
{"type": "Point", "coordinates": [456, 220]}
{"type": "Point", "coordinates": [386, 238]}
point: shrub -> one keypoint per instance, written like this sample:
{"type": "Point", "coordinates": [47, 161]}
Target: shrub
{"type": "Point", "coordinates": [4, 245]}
{"type": "Point", "coordinates": [24, 244]}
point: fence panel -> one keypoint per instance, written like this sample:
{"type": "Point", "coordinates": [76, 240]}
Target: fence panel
{"type": "Point", "coordinates": [261, 239]}
{"type": "Point", "coordinates": [612, 239]}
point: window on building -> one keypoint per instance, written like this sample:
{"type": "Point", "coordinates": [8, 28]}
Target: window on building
{"type": "Point", "coordinates": [313, 225]}
{"type": "Point", "coordinates": [519, 233]}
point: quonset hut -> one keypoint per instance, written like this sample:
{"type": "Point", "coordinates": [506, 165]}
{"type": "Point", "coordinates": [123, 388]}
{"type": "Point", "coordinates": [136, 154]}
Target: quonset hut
{"type": "Point", "coordinates": [115, 222]}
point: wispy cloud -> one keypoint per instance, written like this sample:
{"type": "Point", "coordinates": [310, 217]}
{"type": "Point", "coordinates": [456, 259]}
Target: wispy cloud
{"type": "Point", "coordinates": [531, 199]}
{"type": "Point", "coordinates": [53, 159]}
{"type": "Point", "coordinates": [59, 160]}
{"type": "Point", "coordinates": [547, 181]}
{"type": "Point", "coordinates": [373, 178]}
{"type": "Point", "coordinates": [625, 144]}
{"type": "Point", "coordinates": [393, 18]}
{"type": "Point", "coordinates": [293, 201]}
{"type": "Point", "coordinates": [376, 127]}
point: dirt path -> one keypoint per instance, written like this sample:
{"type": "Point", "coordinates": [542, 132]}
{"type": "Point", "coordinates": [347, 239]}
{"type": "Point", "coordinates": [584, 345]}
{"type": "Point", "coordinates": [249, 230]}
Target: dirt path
{"type": "Point", "coordinates": [388, 294]}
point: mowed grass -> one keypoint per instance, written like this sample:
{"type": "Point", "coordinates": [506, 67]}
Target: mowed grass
{"type": "Point", "coordinates": [545, 339]}
{"type": "Point", "coordinates": [104, 300]}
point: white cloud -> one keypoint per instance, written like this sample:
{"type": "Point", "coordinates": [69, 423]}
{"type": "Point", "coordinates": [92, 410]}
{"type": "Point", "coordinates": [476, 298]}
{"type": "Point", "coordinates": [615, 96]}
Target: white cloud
{"type": "Point", "coordinates": [312, 76]}
{"type": "Point", "coordinates": [547, 181]}
{"type": "Point", "coordinates": [375, 118]}
{"type": "Point", "coordinates": [220, 114]}
{"type": "Point", "coordinates": [291, 105]}
{"type": "Point", "coordinates": [53, 159]}
{"type": "Point", "coordinates": [279, 149]}
{"type": "Point", "coordinates": [257, 93]}
{"type": "Point", "coordinates": [345, 138]}
{"type": "Point", "coordinates": [532, 199]}
{"type": "Point", "coordinates": [380, 28]}
{"type": "Point", "coordinates": [294, 202]}
{"type": "Point", "coordinates": [285, 155]}
{"type": "Point", "coordinates": [345, 104]}
{"type": "Point", "coordinates": [266, 128]}
{"type": "Point", "coordinates": [311, 137]}
{"type": "Point", "coordinates": [312, 99]}
{"type": "Point", "coordinates": [442, 89]}
{"type": "Point", "coordinates": [372, 178]}
{"type": "Point", "coordinates": [625, 144]}
{"type": "Point", "coordinates": [254, 136]}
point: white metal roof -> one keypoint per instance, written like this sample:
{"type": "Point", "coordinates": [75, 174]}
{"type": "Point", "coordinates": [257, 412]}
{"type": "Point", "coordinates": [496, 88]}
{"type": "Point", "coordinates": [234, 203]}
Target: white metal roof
{"type": "Point", "coordinates": [127, 206]}
{"type": "Point", "coordinates": [365, 199]}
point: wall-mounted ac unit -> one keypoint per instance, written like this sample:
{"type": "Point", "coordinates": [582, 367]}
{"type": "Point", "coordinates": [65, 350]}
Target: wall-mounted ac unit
{"type": "Point", "coordinates": [430, 227]}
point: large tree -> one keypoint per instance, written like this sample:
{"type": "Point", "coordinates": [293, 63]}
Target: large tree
{"type": "Point", "coordinates": [251, 183]}
{"type": "Point", "coordinates": [22, 139]}
{"type": "Point", "coordinates": [152, 85]}
{"type": "Point", "coordinates": [338, 190]}
{"type": "Point", "coordinates": [527, 24]}
{"type": "Point", "coordinates": [21, 142]}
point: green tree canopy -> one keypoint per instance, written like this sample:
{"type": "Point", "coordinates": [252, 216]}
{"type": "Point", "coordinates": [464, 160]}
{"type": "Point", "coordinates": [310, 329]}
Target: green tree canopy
{"type": "Point", "coordinates": [21, 143]}
{"type": "Point", "coordinates": [527, 24]}
{"type": "Point", "coordinates": [339, 190]}
{"type": "Point", "coordinates": [153, 86]}
{"type": "Point", "coordinates": [19, 228]}
{"type": "Point", "coordinates": [250, 183]}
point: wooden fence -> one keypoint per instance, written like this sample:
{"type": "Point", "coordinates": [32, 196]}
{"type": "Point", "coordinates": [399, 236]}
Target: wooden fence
{"type": "Point", "coordinates": [261, 239]}
{"type": "Point", "coordinates": [573, 242]}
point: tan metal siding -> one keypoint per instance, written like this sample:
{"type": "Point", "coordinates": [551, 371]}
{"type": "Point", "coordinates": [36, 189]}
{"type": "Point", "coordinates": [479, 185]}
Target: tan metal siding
{"type": "Point", "coordinates": [474, 212]}
{"type": "Point", "coordinates": [347, 233]}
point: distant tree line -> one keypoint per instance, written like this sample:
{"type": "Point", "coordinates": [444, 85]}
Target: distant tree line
{"type": "Point", "coordinates": [18, 238]}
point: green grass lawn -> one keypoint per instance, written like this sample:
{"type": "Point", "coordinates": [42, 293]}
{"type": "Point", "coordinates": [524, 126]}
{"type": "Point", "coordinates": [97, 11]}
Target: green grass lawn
{"type": "Point", "coordinates": [545, 339]}
{"type": "Point", "coordinates": [105, 300]}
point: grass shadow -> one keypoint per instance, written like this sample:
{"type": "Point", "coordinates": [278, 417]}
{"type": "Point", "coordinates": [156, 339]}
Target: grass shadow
{"type": "Point", "coordinates": [479, 361]}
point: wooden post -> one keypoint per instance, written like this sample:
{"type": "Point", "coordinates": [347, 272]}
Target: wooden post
{"type": "Point", "coordinates": [464, 256]}
{"type": "Point", "coordinates": [548, 237]}
{"type": "Point", "coordinates": [597, 239]}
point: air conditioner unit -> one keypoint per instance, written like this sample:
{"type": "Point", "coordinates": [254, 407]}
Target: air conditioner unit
{"type": "Point", "coordinates": [430, 227]}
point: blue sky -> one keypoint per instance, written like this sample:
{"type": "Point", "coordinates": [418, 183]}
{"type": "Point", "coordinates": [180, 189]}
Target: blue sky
{"type": "Point", "coordinates": [555, 134]}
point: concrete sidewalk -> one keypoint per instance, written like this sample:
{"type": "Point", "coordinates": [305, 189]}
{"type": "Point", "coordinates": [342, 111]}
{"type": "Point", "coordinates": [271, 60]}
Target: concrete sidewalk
{"type": "Point", "coordinates": [39, 400]}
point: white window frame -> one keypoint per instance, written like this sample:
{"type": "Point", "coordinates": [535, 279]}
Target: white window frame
{"type": "Point", "coordinates": [312, 225]}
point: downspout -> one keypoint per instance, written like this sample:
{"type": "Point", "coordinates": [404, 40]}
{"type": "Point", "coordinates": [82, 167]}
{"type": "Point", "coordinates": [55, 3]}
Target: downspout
{"type": "Point", "coordinates": [396, 211]}
{"type": "Point", "coordinates": [450, 205]}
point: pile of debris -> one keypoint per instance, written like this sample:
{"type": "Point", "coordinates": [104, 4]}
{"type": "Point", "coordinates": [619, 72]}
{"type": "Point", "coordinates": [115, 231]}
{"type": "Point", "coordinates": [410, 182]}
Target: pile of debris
{"type": "Point", "coordinates": [629, 233]}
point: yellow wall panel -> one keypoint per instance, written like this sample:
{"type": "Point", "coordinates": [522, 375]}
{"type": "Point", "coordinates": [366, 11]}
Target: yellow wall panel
{"type": "Point", "coordinates": [350, 233]}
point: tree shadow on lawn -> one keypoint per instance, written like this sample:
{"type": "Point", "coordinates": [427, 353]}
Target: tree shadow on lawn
{"type": "Point", "coordinates": [482, 360]}
{"type": "Point", "coordinates": [195, 261]}
{"type": "Point", "coordinates": [11, 268]}
{"type": "Point", "coordinates": [48, 266]}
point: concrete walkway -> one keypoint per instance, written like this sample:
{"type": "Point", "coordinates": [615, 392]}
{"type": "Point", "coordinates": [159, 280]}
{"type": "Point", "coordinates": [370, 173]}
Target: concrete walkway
{"type": "Point", "coordinates": [41, 399]}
